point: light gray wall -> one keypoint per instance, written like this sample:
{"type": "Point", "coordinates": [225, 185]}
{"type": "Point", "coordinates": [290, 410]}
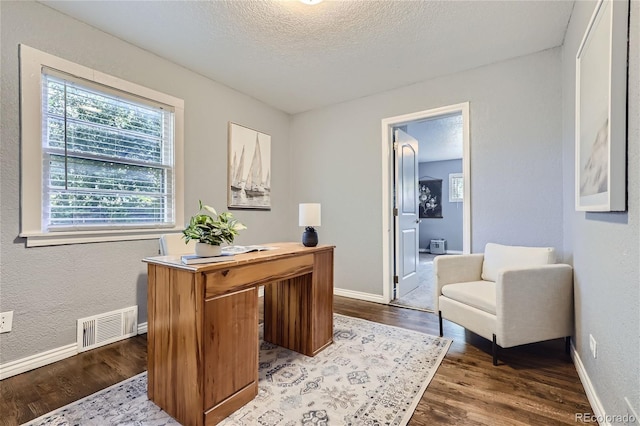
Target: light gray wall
{"type": "Point", "coordinates": [520, 152]}
{"type": "Point", "coordinates": [49, 288]}
{"type": "Point", "coordinates": [604, 247]}
{"type": "Point", "coordinates": [450, 226]}
{"type": "Point", "coordinates": [516, 159]}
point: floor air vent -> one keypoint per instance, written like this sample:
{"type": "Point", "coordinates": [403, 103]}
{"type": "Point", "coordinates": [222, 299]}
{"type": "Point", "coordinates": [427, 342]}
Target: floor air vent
{"type": "Point", "coordinates": [100, 330]}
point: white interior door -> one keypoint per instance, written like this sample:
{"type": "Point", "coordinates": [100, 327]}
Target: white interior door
{"type": "Point", "coordinates": [406, 220]}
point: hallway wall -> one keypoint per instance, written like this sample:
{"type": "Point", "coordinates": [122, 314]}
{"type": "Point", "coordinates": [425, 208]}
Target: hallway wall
{"type": "Point", "coordinates": [449, 227]}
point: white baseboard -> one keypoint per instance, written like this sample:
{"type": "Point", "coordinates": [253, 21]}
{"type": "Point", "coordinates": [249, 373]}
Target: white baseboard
{"type": "Point", "coordinates": [142, 328]}
{"type": "Point", "coordinates": [596, 405]}
{"type": "Point", "coordinates": [32, 362]}
{"type": "Point", "coordinates": [359, 295]}
{"type": "Point", "coordinates": [454, 251]}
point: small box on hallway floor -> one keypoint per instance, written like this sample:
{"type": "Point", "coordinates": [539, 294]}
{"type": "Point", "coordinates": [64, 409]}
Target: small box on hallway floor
{"type": "Point", "coordinates": [438, 246]}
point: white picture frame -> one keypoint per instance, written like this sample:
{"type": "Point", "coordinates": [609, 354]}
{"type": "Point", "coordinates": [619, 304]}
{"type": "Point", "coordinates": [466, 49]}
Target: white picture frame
{"type": "Point", "coordinates": [456, 187]}
{"type": "Point", "coordinates": [248, 169]}
{"type": "Point", "coordinates": [601, 129]}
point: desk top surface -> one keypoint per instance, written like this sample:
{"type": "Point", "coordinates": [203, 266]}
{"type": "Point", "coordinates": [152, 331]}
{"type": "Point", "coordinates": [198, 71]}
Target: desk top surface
{"type": "Point", "coordinates": [279, 250]}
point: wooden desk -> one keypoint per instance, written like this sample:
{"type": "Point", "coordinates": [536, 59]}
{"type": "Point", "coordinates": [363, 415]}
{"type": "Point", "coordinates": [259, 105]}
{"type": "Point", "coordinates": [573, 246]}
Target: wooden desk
{"type": "Point", "coordinates": [203, 324]}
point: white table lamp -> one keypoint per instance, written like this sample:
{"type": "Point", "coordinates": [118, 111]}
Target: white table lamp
{"type": "Point", "coordinates": [309, 216]}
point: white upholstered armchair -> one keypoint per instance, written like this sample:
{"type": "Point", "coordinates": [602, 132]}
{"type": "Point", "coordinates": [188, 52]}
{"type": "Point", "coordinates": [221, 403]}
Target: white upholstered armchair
{"type": "Point", "coordinates": [510, 295]}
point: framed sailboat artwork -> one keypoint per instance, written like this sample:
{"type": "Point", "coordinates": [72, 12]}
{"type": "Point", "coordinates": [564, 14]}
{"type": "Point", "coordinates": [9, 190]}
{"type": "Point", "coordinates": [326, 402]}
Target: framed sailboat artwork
{"type": "Point", "coordinates": [248, 169]}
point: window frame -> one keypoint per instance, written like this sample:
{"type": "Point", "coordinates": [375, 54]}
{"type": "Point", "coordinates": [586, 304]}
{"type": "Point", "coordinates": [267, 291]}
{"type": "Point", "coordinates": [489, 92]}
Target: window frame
{"type": "Point", "coordinates": [31, 189]}
{"type": "Point", "coordinates": [453, 177]}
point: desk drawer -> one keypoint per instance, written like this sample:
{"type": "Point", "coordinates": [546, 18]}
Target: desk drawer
{"type": "Point", "coordinates": [237, 277]}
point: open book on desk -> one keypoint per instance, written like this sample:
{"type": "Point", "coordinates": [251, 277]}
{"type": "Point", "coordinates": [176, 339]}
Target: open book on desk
{"type": "Point", "coordinates": [244, 249]}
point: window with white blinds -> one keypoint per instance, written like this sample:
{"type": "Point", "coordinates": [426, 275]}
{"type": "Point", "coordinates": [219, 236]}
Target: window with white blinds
{"type": "Point", "coordinates": [107, 157]}
{"type": "Point", "coordinates": [101, 157]}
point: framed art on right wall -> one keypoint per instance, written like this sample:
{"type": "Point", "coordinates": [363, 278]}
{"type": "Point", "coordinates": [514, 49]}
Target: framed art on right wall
{"type": "Point", "coordinates": [601, 101]}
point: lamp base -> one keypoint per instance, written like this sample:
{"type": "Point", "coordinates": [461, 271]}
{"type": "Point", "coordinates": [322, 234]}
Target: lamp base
{"type": "Point", "coordinates": [310, 237]}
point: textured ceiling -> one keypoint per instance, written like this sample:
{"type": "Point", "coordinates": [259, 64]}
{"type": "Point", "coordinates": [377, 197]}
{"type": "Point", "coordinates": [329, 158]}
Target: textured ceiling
{"type": "Point", "coordinates": [438, 138]}
{"type": "Point", "coordinates": [298, 57]}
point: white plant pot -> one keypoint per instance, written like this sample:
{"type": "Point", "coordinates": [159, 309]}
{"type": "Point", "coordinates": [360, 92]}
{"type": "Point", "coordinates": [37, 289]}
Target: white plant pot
{"type": "Point", "coordinates": [207, 250]}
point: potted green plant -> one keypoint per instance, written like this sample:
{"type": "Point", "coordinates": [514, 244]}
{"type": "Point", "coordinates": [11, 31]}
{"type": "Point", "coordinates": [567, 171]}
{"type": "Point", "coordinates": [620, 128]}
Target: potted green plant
{"type": "Point", "coordinates": [211, 229]}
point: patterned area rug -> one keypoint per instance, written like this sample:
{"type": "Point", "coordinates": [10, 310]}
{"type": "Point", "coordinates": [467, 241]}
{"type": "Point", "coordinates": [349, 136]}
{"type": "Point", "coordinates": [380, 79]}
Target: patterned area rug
{"type": "Point", "coordinates": [373, 374]}
{"type": "Point", "coordinates": [421, 298]}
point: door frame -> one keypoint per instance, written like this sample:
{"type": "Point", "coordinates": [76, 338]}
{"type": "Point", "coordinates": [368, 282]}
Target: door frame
{"type": "Point", "coordinates": [388, 220]}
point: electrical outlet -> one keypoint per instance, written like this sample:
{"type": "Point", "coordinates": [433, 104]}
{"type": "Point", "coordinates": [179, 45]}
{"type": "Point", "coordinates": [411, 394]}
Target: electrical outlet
{"type": "Point", "coordinates": [593, 345]}
{"type": "Point", "coordinates": [631, 418]}
{"type": "Point", "coordinates": [6, 320]}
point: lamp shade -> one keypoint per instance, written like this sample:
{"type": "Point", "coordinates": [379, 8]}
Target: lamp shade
{"type": "Point", "coordinates": [309, 214]}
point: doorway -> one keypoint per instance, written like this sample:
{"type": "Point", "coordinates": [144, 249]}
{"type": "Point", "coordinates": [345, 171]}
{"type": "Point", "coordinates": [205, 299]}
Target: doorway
{"type": "Point", "coordinates": [400, 264]}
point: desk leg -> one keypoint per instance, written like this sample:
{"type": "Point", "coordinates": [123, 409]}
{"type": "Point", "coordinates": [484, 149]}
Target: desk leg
{"type": "Point", "coordinates": [287, 314]}
{"type": "Point", "coordinates": [322, 325]}
{"type": "Point", "coordinates": [174, 354]}
{"type": "Point", "coordinates": [298, 312]}
{"type": "Point", "coordinates": [231, 353]}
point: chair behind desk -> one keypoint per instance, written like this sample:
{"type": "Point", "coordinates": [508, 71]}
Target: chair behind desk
{"type": "Point", "coordinates": [173, 244]}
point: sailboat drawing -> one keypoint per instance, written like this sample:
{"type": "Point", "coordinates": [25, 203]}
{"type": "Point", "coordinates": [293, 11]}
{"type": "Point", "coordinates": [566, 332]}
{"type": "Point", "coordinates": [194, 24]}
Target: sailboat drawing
{"type": "Point", "coordinates": [249, 168]}
{"type": "Point", "coordinates": [236, 172]}
{"type": "Point", "coordinates": [267, 182]}
{"type": "Point", "coordinates": [254, 186]}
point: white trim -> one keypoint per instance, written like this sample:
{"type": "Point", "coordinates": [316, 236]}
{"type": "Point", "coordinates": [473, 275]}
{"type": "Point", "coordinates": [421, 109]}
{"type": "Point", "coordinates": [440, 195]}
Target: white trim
{"type": "Point", "coordinates": [466, 169]}
{"type": "Point", "coordinates": [454, 252]}
{"type": "Point", "coordinates": [387, 187]}
{"type": "Point", "coordinates": [632, 412]}
{"type": "Point", "coordinates": [376, 298]}
{"type": "Point", "coordinates": [32, 362]}
{"type": "Point", "coordinates": [31, 63]}
{"type": "Point", "coordinates": [596, 405]}
{"type": "Point", "coordinates": [142, 328]}
{"type": "Point", "coordinates": [59, 238]}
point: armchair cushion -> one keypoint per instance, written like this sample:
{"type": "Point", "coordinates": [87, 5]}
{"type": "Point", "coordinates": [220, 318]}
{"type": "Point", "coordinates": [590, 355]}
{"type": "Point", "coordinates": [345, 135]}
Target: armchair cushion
{"type": "Point", "coordinates": [497, 257]}
{"type": "Point", "coordinates": [479, 294]}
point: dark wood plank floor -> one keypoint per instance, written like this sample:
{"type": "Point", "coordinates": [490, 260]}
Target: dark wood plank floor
{"type": "Point", "coordinates": [533, 385]}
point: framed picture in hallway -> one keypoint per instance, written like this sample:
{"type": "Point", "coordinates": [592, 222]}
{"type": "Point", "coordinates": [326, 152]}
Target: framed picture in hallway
{"type": "Point", "coordinates": [248, 169]}
{"type": "Point", "coordinates": [601, 76]}
{"type": "Point", "coordinates": [430, 198]}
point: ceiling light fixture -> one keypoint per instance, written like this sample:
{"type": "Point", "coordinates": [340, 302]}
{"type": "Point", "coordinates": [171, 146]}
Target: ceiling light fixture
{"type": "Point", "coordinates": [311, 1]}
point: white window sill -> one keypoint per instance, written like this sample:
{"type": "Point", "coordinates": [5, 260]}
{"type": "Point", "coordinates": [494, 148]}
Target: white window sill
{"type": "Point", "coordinates": [76, 237]}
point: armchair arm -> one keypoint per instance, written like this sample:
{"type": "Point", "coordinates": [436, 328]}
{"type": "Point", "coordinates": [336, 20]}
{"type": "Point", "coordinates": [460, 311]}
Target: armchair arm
{"type": "Point", "coordinates": [456, 269]}
{"type": "Point", "coordinates": [534, 304]}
